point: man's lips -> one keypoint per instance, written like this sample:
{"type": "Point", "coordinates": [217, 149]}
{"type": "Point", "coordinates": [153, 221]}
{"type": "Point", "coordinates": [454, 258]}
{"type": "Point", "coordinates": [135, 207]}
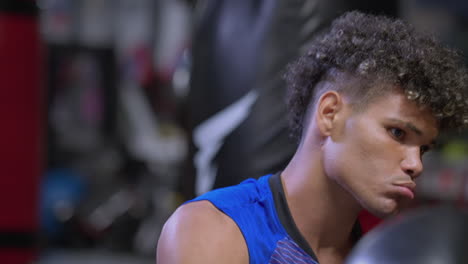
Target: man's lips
{"type": "Point", "coordinates": [405, 188]}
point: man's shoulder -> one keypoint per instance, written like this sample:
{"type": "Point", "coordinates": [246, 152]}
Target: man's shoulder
{"type": "Point", "coordinates": [236, 196]}
{"type": "Point", "coordinates": [198, 232]}
{"type": "Point", "coordinates": [200, 214]}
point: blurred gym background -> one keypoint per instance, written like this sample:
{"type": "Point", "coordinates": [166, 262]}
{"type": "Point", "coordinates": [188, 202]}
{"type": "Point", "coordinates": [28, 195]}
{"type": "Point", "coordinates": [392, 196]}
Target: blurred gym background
{"type": "Point", "coordinates": [114, 112]}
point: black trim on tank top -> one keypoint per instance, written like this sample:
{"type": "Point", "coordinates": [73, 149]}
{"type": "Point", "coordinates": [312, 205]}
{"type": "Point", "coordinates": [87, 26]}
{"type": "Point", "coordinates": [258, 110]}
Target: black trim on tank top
{"type": "Point", "coordinates": [285, 217]}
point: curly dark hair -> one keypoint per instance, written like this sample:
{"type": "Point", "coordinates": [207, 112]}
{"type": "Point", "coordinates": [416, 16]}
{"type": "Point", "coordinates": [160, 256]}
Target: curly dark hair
{"type": "Point", "coordinates": [378, 49]}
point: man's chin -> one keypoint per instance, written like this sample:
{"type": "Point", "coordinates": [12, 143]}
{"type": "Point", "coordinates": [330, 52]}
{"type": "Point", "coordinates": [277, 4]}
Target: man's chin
{"type": "Point", "coordinates": [385, 209]}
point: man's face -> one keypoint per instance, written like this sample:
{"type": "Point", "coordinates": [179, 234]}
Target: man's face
{"type": "Point", "coordinates": [377, 153]}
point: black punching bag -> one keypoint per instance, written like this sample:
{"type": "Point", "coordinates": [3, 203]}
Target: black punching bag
{"type": "Point", "coordinates": [423, 236]}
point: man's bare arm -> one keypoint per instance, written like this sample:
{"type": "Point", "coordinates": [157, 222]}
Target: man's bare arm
{"type": "Point", "coordinates": [199, 233]}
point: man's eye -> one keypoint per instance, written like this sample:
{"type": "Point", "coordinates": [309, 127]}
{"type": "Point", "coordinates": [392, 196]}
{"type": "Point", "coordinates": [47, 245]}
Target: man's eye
{"type": "Point", "coordinates": [397, 133]}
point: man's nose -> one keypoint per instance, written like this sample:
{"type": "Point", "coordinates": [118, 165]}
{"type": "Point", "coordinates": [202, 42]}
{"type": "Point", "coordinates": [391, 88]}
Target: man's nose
{"type": "Point", "coordinates": [412, 163]}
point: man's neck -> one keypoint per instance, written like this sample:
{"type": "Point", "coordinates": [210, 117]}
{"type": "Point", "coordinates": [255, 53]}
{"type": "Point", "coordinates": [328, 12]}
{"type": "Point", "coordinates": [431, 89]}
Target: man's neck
{"type": "Point", "coordinates": [322, 210]}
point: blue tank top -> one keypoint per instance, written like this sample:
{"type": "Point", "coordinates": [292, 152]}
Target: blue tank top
{"type": "Point", "coordinates": [252, 206]}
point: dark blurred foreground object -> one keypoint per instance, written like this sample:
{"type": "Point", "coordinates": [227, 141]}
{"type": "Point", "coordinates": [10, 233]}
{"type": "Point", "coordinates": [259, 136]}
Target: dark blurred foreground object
{"type": "Point", "coordinates": [426, 236]}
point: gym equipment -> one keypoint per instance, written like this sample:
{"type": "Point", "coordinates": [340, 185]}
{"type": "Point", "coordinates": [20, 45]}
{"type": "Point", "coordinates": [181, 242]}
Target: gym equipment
{"type": "Point", "coordinates": [62, 192]}
{"type": "Point", "coordinates": [427, 235]}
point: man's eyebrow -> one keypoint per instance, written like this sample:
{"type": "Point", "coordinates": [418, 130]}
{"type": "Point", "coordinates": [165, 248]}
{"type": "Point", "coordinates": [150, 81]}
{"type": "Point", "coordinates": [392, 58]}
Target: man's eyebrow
{"type": "Point", "coordinates": [414, 128]}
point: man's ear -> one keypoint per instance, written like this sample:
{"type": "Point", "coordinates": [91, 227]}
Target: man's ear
{"type": "Point", "coordinates": [329, 106]}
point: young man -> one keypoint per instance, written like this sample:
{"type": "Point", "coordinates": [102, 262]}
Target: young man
{"type": "Point", "coordinates": [367, 101]}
